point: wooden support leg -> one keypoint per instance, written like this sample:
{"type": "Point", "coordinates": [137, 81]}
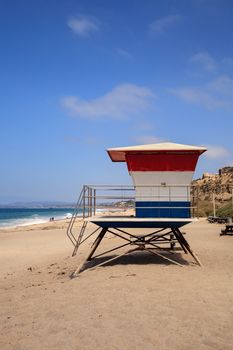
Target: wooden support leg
{"type": "Point", "coordinates": [181, 238]}
{"type": "Point", "coordinates": [172, 244]}
{"type": "Point", "coordinates": [93, 249]}
{"type": "Point", "coordinates": [97, 242]}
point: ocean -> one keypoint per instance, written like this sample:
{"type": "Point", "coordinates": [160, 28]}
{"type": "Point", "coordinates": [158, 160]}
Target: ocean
{"type": "Point", "coordinates": [12, 217]}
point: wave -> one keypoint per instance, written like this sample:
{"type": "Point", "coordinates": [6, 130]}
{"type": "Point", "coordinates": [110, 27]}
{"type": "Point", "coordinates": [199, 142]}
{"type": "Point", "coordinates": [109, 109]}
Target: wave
{"type": "Point", "coordinates": [11, 223]}
{"type": "Point", "coordinates": [33, 219]}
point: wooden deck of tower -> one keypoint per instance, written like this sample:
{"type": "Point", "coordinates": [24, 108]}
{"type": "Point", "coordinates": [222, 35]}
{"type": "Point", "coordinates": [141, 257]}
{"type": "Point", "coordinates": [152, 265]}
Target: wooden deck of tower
{"type": "Point", "coordinates": [163, 203]}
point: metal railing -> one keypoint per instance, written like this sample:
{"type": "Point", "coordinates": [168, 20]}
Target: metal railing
{"type": "Point", "coordinates": [120, 200]}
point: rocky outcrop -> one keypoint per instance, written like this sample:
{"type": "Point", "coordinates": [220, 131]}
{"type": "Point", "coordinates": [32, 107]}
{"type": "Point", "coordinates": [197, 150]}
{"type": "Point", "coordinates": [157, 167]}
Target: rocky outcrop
{"type": "Point", "coordinates": [220, 184]}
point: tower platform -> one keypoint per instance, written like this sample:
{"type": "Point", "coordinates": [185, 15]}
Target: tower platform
{"type": "Point", "coordinates": [134, 222]}
{"type": "Point", "coordinates": [161, 238]}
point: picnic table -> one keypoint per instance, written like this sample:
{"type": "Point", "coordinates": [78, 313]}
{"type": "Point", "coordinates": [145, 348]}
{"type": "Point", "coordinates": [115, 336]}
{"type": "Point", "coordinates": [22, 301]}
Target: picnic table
{"type": "Point", "coordinates": [228, 229]}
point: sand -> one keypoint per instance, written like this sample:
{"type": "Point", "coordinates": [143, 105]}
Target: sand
{"type": "Point", "coordinates": [136, 302]}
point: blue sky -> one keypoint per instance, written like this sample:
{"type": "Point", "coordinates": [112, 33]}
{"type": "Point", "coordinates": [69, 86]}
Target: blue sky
{"type": "Point", "coordinates": [77, 77]}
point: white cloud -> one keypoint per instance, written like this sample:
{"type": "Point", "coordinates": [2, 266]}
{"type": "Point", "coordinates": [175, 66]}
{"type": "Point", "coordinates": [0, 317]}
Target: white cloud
{"type": "Point", "coordinates": [227, 62]}
{"type": "Point", "coordinates": [204, 61]}
{"type": "Point", "coordinates": [215, 152]}
{"type": "Point", "coordinates": [223, 85]}
{"type": "Point", "coordinates": [147, 139]}
{"type": "Point", "coordinates": [199, 96]}
{"type": "Point", "coordinates": [162, 24]}
{"type": "Point", "coordinates": [84, 26]}
{"type": "Point", "coordinates": [123, 53]}
{"type": "Point", "coordinates": [217, 93]}
{"type": "Point", "coordinates": [122, 101]}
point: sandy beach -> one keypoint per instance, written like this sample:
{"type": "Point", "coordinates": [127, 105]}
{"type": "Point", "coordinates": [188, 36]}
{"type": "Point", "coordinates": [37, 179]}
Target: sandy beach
{"type": "Point", "coordinates": [137, 302]}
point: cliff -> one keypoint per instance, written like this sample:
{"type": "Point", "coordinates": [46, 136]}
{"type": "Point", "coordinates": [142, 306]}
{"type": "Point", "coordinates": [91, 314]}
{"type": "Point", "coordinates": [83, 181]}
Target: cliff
{"type": "Point", "coordinates": [219, 186]}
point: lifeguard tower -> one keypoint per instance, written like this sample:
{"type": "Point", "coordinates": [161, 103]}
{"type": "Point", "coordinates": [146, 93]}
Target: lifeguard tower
{"type": "Point", "coordinates": [148, 215]}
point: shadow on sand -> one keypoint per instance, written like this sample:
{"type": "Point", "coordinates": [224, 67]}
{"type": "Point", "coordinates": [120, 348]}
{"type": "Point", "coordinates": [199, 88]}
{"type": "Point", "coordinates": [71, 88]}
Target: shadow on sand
{"type": "Point", "coordinates": [137, 258]}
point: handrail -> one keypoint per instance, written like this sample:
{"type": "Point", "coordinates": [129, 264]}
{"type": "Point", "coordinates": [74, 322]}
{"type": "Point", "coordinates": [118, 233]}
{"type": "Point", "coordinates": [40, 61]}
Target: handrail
{"type": "Point", "coordinates": [73, 218]}
{"type": "Point", "coordinates": [87, 202]}
{"type": "Point", "coordinates": [92, 197]}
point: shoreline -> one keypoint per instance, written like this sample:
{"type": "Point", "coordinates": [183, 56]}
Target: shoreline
{"type": "Point", "coordinates": [44, 219]}
{"type": "Point", "coordinates": [56, 224]}
{"type": "Point", "coordinates": [32, 225]}
{"type": "Point", "coordinates": [104, 211]}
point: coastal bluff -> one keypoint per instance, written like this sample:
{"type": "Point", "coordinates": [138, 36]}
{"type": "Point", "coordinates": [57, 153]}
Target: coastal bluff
{"type": "Point", "coordinates": [221, 184]}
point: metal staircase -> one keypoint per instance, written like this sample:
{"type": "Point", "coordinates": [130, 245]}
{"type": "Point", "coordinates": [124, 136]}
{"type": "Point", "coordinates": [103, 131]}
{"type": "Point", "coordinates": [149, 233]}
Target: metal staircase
{"type": "Point", "coordinates": [76, 211]}
{"type": "Point", "coordinates": [86, 207]}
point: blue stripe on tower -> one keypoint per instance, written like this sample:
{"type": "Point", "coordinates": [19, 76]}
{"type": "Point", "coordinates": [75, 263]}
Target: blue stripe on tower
{"type": "Point", "coordinates": [162, 209]}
